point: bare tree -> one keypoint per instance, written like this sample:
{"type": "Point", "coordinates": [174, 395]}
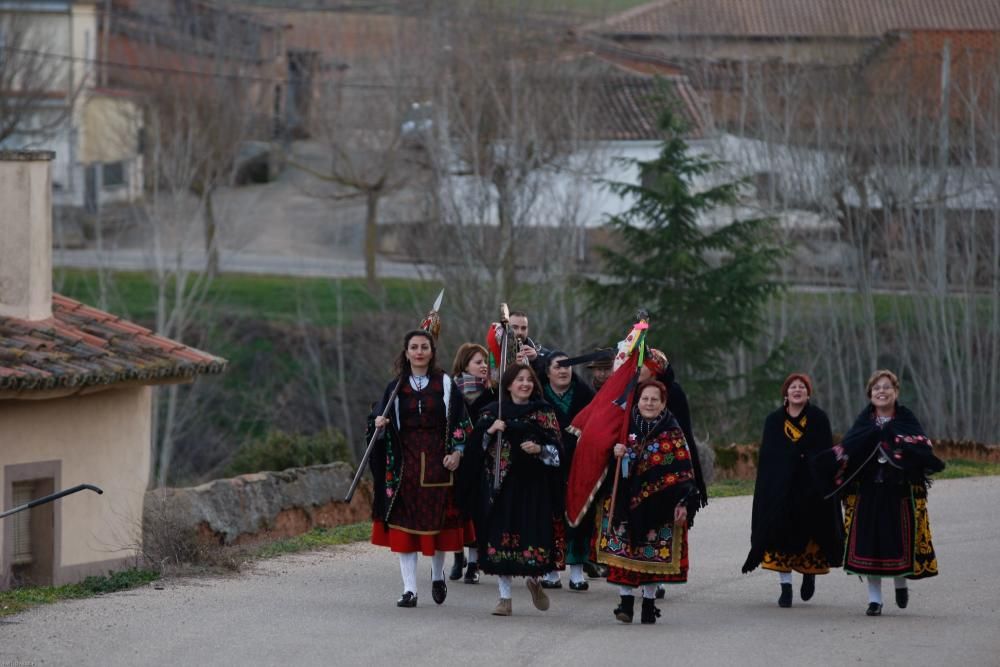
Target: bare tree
{"type": "Point", "coordinates": [889, 167]}
{"type": "Point", "coordinates": [360, 117]}
{"type": "Point", "coordinates": [38, 87]}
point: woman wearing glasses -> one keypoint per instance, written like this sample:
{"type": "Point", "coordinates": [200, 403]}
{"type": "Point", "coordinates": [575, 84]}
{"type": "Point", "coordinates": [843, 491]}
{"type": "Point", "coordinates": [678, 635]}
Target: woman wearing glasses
{"type": "Point", "coordinates": [882, 468]}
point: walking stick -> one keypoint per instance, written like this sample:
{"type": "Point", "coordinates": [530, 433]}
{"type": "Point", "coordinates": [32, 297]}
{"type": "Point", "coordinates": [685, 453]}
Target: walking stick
{"type": "Point", "coordinates": [431, 324]}
{"type": "Point", "coordinates": [49, 498]}
{"type": "Point", "coordinates": [504, 351]}
{"type": "Point", "coordinates": [614, 492]}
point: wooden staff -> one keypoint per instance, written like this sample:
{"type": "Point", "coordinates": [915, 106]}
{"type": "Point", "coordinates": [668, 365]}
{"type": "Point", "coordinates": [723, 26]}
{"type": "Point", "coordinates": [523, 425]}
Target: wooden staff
{"type": "Point", "coordinates": [504, 349]}
{"type": "Point", "coordinates": [614, 492]}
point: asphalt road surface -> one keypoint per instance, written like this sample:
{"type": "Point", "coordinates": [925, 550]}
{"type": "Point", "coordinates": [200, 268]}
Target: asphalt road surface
{"type": "Point", "coordinates": [337, 607]}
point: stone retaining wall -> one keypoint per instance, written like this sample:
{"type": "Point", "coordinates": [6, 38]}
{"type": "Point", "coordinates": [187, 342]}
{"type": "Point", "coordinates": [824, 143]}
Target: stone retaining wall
{"type": "Point", "coordinates": [261, 506]}
{"type": "Point", "coordinates": [740, 461]}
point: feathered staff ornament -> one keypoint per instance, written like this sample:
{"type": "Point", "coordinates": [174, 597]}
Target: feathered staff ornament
{"type": "Point", "coordinates": [432, 325]}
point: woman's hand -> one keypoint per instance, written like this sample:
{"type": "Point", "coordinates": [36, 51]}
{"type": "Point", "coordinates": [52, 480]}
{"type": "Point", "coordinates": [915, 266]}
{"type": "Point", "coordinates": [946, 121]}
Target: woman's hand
{"type": "Point", "coordinates": [681, 513]}
{"type": "Point", "coordinates": [529, 447]}
{"type": "Point", "coordinates": [381, 422]}
{"type": "Point", "coordinates": [498, 425]}
{"type": "Point", "coordinates": [452, 460]}
{"type": "Point", "coordinates": [620, 450]}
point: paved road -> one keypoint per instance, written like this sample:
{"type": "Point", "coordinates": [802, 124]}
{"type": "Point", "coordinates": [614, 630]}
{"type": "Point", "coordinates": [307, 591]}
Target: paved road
{"type": "Point", "coordinates": [337, 608]}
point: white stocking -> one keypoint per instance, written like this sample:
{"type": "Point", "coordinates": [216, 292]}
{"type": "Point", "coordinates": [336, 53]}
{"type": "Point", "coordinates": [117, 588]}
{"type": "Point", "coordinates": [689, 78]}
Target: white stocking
{"type": "Point", "coordinates": [626, 591]}
{"type": "Point", "coordinates": [552, 576]}
{"type": "Point", "coordinates": [785, 577]}
{"type": "Point", "coordinates": [504, 582]}
{"type": "Point", "coordinates": [576, 574]}
{"type": "Point", "coordinates": [875, 590]}
{"type": "Point", "coordinates": [408, 568]}
{"type": "Point", "coordinates": [900, 582]}
{"type": "Point", "coordinates": [437, 566]}
{"type": "Point", "coordinates": [649, 591]}
{"type": "Point", "coordinates": [473, 554]}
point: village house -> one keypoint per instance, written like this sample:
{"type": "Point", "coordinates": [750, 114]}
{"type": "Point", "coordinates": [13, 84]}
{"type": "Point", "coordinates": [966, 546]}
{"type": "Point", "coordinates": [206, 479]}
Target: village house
{"type": "Point", "coordinates": [76, 387]}
{"type": "Point", "coordinates": [49, 66]}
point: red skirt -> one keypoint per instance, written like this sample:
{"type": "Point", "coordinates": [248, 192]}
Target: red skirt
{"type": "Point", "coordinates": [401, 541]}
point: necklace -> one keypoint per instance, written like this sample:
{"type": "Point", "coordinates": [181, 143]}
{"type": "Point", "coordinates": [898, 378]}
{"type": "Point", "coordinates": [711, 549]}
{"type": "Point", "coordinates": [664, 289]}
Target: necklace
{"type": "Point", "coordinates": [419, 383]}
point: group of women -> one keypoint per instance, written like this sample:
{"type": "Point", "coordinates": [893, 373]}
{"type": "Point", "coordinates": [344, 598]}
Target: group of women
{"type": "Point", "coordinates": [532, 475]}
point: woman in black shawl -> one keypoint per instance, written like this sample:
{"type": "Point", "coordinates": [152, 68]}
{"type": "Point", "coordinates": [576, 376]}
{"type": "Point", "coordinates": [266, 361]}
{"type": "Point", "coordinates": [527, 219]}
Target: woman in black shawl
{"type": "Point", "coordinates": [413, 466]}
{"type": "Point", "coordinates": [568, 394]}
{"type": "Point", "coordinates": [520, 526]}
{"type": "Point", "coordinates": [471, 372]}
{"type": "Point", "coordinates": [643, 536]}
{"type": "Point", "coordinates": [882, 468]}
{"type": "Point", "coordinates": [793, 526]}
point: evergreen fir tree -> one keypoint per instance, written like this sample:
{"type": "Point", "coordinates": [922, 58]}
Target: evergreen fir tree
{"type": "Point", "coordinates": [706, 288]}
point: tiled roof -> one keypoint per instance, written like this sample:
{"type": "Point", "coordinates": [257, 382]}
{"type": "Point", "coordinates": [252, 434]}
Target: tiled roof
{"type": "Point", "coordinates": [630, 106]}
{"type": "Point", "coordinates": [81, 347]}
{"type": "Point", "coordinates": [627, 103]}
{"type": "Point", "coordinates": [800, 18]}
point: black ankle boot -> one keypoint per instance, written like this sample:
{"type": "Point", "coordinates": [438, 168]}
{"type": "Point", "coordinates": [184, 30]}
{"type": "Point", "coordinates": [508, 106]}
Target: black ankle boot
{"type": "Point", "coordinates": [808, 586]}
{"type": "Point", "coordinates": [649, 611]}
{"type": "Point", "coordinates": [625, 609]}
{"type": "Point", "coordinates": [902, 597]}
{"type": "Point", "coordinates": [472, 574]}
{"type": "Point", "coordinates": [456, 568]}
{"type": "Point", "coordinates": [786, 596]}
{"type": "Point", "coordinates": [874, 609]}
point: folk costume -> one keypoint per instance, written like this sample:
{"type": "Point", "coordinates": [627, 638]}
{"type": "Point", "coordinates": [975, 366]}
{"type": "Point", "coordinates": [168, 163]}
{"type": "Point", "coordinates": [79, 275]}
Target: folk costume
{"type": "Point", "coordinates": [477, 395]}
{"type": "Point", "coordinates": [520, 522]}
{"type": "Point", "coordinates": [414, 508]}
{"type": "Point", "coordinates": [640, 543]}
{"type": "Point", "coordinates": [882, 469]}
{"type": "Point", "coordinates": [578, 540]}
{"type": "Point", "coordinates": [677, 404]}
{"type": "Point", "coordinates": [793, 526]}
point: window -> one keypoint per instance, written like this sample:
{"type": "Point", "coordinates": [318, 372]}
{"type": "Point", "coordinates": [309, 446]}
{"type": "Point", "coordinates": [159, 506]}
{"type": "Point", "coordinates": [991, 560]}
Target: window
{"type": "Point", "coordinates": [113, 174]}
{"type": "Point", "coordinates": [24, 492]}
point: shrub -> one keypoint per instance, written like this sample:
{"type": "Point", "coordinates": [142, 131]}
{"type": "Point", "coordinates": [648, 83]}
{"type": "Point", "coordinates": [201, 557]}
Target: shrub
{"type": "Point", "coordinates": [279, 451]}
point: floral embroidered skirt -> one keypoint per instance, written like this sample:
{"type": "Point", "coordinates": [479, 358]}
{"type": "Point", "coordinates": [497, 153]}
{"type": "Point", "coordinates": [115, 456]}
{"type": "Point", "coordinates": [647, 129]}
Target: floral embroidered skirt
{"type": "Point", "coordinates": [810, 560]}
{"type": "Point", "coordinates": [662, 557]}
{"type": "Point", "coordinates": [523, 534]}
{"type": "Point", "coordinates": [888, 533]}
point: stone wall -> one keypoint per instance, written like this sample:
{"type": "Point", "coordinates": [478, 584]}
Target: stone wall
{"type": "Point", "coordinates": [740, 461]}
{"type": "Point", "coordinates": [261, 506]}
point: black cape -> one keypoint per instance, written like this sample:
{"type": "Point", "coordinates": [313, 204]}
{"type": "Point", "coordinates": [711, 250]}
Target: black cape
{"type": "Point", "coordinates": [788, 505]}
{"type": "Point", "coordinates": [677, 404]}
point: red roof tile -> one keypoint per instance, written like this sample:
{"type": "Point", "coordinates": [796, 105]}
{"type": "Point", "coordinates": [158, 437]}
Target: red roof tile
{"type": "Point", "coordinates": [81, 346]}
{"type": "Point", "coordinates": [800, 18]}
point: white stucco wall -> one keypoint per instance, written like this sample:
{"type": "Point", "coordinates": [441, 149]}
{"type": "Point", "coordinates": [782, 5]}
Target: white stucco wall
{"type": "Point", "coordinates": [102, 439]}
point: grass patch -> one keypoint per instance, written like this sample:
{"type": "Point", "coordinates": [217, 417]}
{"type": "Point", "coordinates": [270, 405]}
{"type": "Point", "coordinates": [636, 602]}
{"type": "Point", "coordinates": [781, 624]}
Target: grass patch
{"type": "Point", "coordinates": [19, 599]}
{"type": "Point", "coordinates": [959, 468]}
{"type": "Point", "coordinates": [316, 539]}
{"type": "Point", "coordinates": [727, 488]}
{"type": "Point", "coordinates": [277, 298]}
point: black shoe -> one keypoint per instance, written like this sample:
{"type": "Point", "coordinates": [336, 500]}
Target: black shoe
{"type": "Point", "coordinates": [649, 611]}
{"type": "Point", "coordinates": [472, 574]}
{"type": "Point", "coordinates": [550, 584]}
{"type": "Point", "coordinates": [661, 592]}
{"type": "Point", "coordinates": [592, 570]}
{"type": "Point", "coordinates": [456, 568]}
{"type": "Point", "coordinates": [874, 609]}
{"type": "Point", "coordinates": [808, 586]}
{"type": "Point", "coordinates": [581, 586]}
{"type": "Point", "coordinates": [902, 597]}
{"type": "Point", "coordinates": [439, 591]}
{"type": "Point", "coordinates": [408, 600]}
{"type": "Point", "coordinates": [785, 600]}
{"type": "Point", "coordinates": [624, 610]}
